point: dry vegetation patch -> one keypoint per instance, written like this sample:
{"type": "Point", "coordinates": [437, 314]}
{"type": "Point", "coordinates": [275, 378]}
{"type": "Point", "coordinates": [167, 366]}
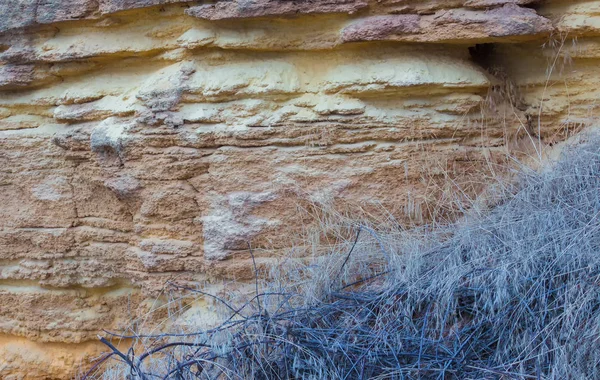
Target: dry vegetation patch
{"type": "Point", "coordinates": [508, 293]}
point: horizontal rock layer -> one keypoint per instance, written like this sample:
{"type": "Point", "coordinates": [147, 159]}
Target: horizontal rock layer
{"type": "Point", "coordinates": [145, 140]}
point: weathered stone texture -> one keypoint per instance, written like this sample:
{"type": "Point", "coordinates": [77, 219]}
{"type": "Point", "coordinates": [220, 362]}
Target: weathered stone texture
{"type": "Point", "coordinates": [147, 140]}
{"type": "Point", "coordinates": [508, 23]}
{"type": "Point", "coordinates": [264, 8]}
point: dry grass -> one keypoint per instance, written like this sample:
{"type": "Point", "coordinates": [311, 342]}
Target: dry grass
{"type": "Point", "coordinates": [509, 293]}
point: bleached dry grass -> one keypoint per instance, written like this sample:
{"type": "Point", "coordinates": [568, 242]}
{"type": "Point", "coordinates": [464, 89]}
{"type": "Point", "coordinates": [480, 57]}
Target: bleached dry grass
{"type": "Point", "coordinates": [509, 293]}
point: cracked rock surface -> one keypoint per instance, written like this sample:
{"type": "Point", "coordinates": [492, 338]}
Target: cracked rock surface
{"type": "Point", "coordinates": [147, 140]}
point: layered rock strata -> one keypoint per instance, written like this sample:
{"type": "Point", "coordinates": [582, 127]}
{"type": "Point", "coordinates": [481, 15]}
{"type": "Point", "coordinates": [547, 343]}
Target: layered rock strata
{"type": "Point", "coordinates": [149, 140]}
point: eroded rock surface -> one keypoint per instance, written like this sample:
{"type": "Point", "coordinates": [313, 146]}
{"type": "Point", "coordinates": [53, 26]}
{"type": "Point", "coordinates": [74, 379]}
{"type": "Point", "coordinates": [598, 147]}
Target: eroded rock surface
{"type": "Point", "coordinates": [146, 140]}
{"type": "Point", "coordinates": [503, 24]}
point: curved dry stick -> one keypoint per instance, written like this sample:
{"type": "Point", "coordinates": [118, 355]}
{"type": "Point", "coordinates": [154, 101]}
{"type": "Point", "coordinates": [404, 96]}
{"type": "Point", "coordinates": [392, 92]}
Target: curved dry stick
{"type": "Point", "coordinates": [95, 366]}
{"type": "Point", "coordinates": [124, 357]}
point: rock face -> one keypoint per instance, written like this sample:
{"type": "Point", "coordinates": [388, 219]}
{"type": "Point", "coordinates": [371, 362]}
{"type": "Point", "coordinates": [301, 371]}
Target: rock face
{"type": "Point", "coordinates": [148, 140]}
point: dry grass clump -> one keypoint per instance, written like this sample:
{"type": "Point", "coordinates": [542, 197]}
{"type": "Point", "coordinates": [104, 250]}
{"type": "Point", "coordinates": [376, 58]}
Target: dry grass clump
{"type": "Point", "coordinates": [511, 293]}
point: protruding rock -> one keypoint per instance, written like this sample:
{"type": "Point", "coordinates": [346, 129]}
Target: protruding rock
{"type": "Point", "coordinates": [167, 246]}
{"type": "Point", "coordinates": [112, 6]}
{"type": "Point", "coordinates": [383, 27]}
{"type": "Point", "coordinates": [24, 13]}
{"type": "Point", "coordinates": [224, 10]}
{"type": "Point", "coordinates": [124, 186]}
{"type": "Point", "coordinates": [13, 76]}
{"type": "Point", "coordinates": [505, 24]}
{"type": "Point", "coordinates": [108, 140]}
{"type": "Point", "coordinates": [482, 4]}
{"type": "Point", "coordinates": [95, 110]}
{"type": "Point", "coordinates": [404, 75]}
{"type": "Point", "coordinates": [230, 224]}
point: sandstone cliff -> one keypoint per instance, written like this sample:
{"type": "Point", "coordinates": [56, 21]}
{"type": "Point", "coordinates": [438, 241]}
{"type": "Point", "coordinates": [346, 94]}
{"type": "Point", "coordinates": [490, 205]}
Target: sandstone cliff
{"type": "Point", "coordinates": [146, 140]}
